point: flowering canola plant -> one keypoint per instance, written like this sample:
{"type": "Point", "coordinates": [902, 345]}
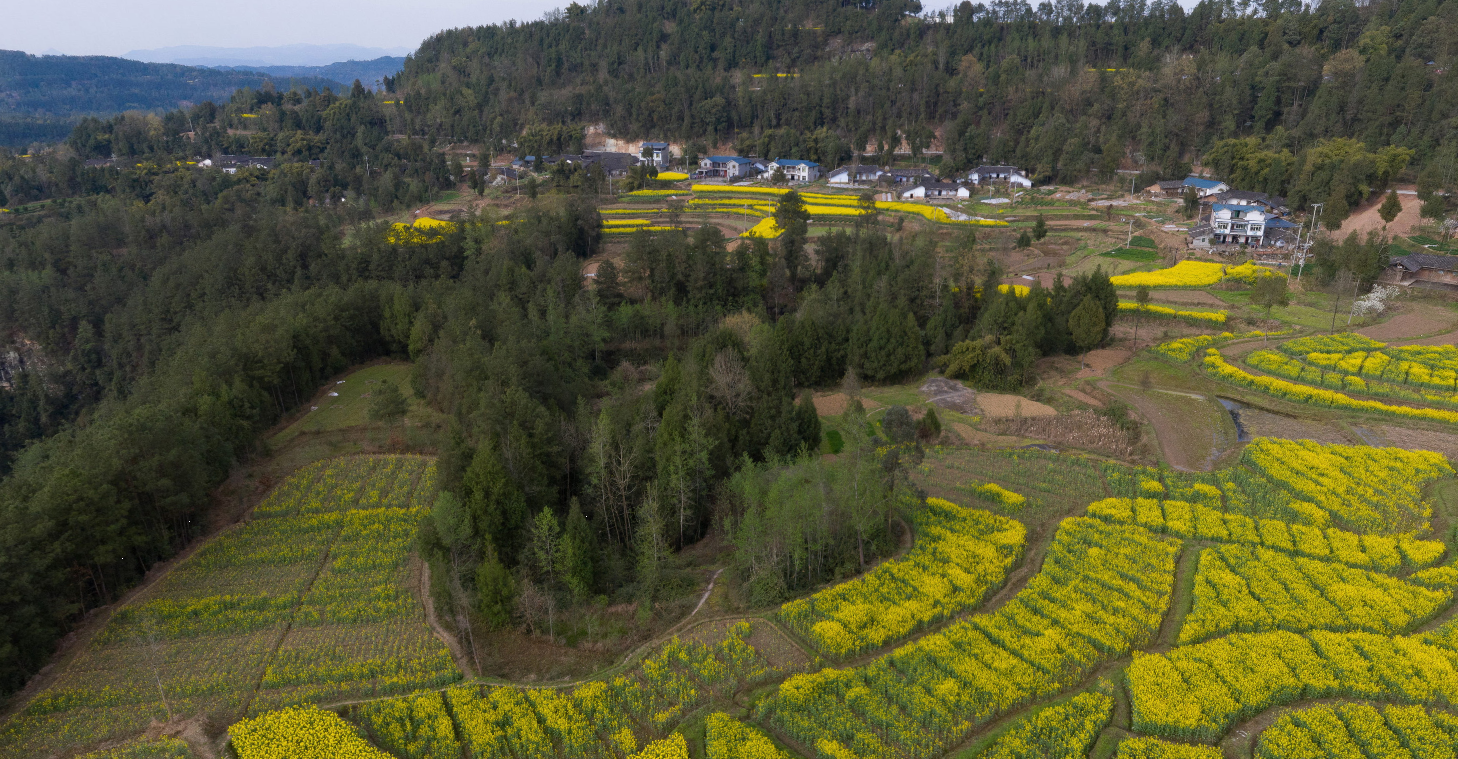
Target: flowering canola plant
{"type": "Point", "coordinates": [1199, 317]}
{"type": "Point", "coordinates": [1190, 273]}
{"type": "Point", "coordinates": [1248, 589]}
{"type": "Point", "coordinates": [1279, 388]}
{"type": "Point", "coordinates": [960, 555]}
{"type": "Point", "coordinates": [300, 733]}
{"type": "Point", "coordinates": [728, 738]}
{"type": "Point", "coordinates": [766, 228]}
{"type": "Point", "coordinates": [1063, 731]}
{"type": "Point", "coordinates": [1103, 590]}
{"type": "Point", "coordinates": [1185, 348]}
{"type": "Point", "coordinates": [1197, 692]}
{"type": "Point", "coordinates": [1343, 730]}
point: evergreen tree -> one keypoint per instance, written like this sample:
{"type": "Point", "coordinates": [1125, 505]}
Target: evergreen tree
{"type": "Point", "coordinates": [1024, 241]}
{"type": "Point", "coordinates": [1086, 324]}
{"type": "Point", "coordinates": [1040, 228]}
{"type": "Point", "coordinates": [1391, 207]}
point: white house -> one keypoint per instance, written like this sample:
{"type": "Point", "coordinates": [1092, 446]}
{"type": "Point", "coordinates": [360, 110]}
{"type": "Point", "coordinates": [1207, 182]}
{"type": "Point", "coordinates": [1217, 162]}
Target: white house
{"type": "Point", "coordinates": [1011, 175]}
{"type": "Point", "coordinates": [1205, 187]}
{"type": "Point", "coordinates": [657, 152]}
{"type": "Point", "coordinates": [936, 190]}
{"type": "Point", "coordinates": [1232, 224]}
{"type": "Point", "coordinates": [856, 174]}
{"type": "Point", "coordinates": [726, 166]}
{"type": "Point", "coordinates": [797, 170]}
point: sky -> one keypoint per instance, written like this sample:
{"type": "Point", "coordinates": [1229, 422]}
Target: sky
{"type": "Point", "coordinates": [114, 27]}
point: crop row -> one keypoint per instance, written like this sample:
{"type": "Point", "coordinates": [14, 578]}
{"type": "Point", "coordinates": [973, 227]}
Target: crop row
{"type": "Point", "coordinates": [1066, 730]}
{"type": "Point", "coordinates": [1195, 317]}
{"type": "Point", "coordinates": [728, 738]}
{"type": "Point", "coordinates": [1360, 730]}
{"type": "Point", "coordinates": [1200, 691]}
{"type": "Point", "coordinates": [1185, 348]}
{"type": "Point", "coordinates": [1315, 396]}
{"type": "Point", "coordinates": [1325, 375]}
{"type": "Point", "coordinates": [1384, 553]}
{"type": "Point", "coordinates": [603, 720]}
{"type": "Point", "coordinates": [1103, 589]}
{"type": "Point", "coordinates": [960, 554]}
{"type": "Point", "coordinates": [1248, 589]}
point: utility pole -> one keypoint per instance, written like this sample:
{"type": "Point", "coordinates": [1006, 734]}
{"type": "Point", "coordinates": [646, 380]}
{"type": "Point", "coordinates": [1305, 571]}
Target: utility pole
{"type": "Point", "coordinates": [1301, 254]}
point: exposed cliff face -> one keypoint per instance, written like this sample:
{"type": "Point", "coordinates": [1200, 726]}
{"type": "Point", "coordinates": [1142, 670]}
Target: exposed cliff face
{"type": "Point", "coordinates": [19, 354]}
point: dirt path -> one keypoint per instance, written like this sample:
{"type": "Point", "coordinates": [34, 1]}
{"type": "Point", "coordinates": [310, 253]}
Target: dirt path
{"type": "Point", "coordinates": [1166, 431]}
{"type": "Point", "coordinates": [451, 641]}
{"type": "Point", "coordinates": [707, 591]}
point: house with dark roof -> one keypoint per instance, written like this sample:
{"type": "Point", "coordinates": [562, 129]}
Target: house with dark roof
{"type": "Point", "coordinates": [936, 190]}
{"type": "Point", "coordinates": [1423, 270]}
{"type": "Point", "coordinates": [1173, 188]}
{"type": "Point", "coordinates": [797, 170]}
{"type": "Point", "coordinates": [726, 167]}
{"type": "Point", "coordinates": [230, 164]}
{"type": "Point", "coordinates": [1009, 175]}
{"type": "Point", "coordinates": [906, 176]}
{"type": "Point", "coordinates": [1274, 204]}
{"type": "Point", "coordinates": [613, 164]}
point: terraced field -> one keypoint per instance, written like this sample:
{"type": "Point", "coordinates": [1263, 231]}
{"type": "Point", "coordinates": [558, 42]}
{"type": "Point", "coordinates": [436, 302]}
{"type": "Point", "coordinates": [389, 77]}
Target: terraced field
{"type": "Point", "coordinates": [1180, 615]}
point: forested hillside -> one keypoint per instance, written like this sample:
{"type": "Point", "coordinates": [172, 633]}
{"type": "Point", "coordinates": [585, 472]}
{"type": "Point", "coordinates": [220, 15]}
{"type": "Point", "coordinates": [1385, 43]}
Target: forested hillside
{"type": "Point", "coordinates": [1067, 89]}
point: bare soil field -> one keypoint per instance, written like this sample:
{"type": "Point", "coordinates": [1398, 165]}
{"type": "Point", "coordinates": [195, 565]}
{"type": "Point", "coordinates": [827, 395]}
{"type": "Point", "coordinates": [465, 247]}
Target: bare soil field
{"type": "Point", "coordinates": [1083, 429]}
{"type": "Point", "coordinates": [1421, 440]}
{"type": "Point", "coordinates": [996, 405]}
{"type": "Point", "coordinates": [834, 404]}
{"type": "Point", "coordinates": [1366, 219]}
{"type": "Point", "coordinates": [1099, 362]}
{"type": "Point", "coordinates": [1082, 397]}
{"type": "Point", "coordinates": [1450, 338]}
{"type": "Point", "coordinates": [1415, 319]}
{"type": "Point", "coordinates": [1260, 423]}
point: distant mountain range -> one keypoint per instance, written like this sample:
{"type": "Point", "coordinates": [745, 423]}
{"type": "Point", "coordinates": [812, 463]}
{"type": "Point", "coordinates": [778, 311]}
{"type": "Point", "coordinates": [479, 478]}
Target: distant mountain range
{"type": "Point", "coordinates": [256, 57]}
{"type": "Point", "coordinates": [369, 73]}
{"type": "Point", "coordinates": [42, 96]}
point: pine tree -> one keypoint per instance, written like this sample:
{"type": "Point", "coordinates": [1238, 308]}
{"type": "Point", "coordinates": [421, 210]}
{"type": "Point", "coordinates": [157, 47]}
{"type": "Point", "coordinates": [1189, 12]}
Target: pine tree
{"type": "Point", "coordinates": [1040, 228]}
{"type": "Point", "coordinates": [1024, 241]}
{"type": "Point", "coordinates": [1391, 207]}
{"type": "Point", "coordinates": [1086, 324]}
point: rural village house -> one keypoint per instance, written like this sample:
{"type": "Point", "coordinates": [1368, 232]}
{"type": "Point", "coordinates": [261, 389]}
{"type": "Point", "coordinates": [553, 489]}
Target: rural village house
{"type": "Point", "coordinates": [854, 174]}
{"type": "Point", "coordinates": [937, 190]}
{"type": "Point", "coordinates": [797, 170]}
{"type": "Point", "coordinates": [1423, 270]}
{"type": "Point", "coordinates": [726, 166]}
{"type": "Point", "coordinates": [1011, 175]}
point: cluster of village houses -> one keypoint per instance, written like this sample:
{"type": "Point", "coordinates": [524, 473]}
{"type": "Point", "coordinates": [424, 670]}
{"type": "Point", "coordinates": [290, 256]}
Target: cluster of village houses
{"type": "Point", "coordinates": [1229, 219]}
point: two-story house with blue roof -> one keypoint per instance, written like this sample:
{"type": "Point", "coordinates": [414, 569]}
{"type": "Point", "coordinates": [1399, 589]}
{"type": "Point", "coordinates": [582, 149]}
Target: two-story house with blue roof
{"type": "Point", "coordinates": [797, 170]}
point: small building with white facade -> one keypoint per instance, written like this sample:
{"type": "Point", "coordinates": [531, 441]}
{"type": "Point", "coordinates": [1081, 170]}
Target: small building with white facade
{"type": "Point", "coordinates": [1237, 225]}
{"type": "Point", "coordinates": [797, 170]}
{"type": "Point", "coordinates": [1009, 175]}
{"type": "Point", "coordinates": [936, 190]}
{"type": "Point", "coordinates": [856, 174]}
{"type": "Point", "coordinates": [726, 167]}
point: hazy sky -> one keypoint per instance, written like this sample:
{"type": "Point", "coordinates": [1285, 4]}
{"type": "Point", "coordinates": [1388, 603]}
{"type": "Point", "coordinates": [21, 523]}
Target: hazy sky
{"type": "Point", "coordinates": [113, 27]}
